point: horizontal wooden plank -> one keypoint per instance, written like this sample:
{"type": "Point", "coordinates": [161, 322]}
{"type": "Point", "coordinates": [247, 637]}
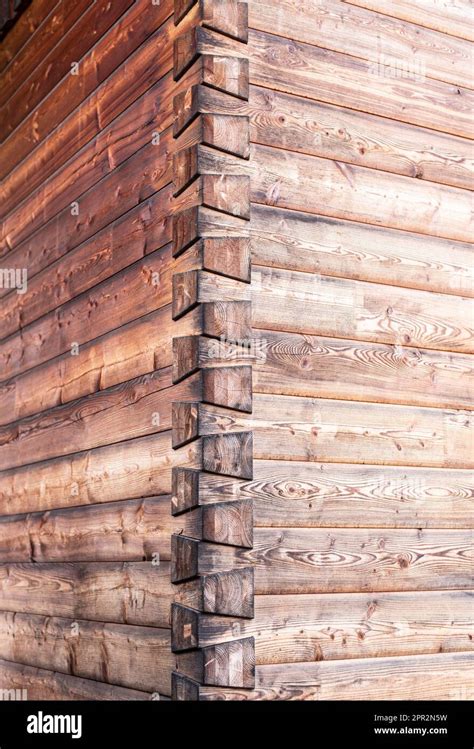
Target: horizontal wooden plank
{"type": "Point", "coordinates": [107, 55]}
{"type": "Point", "coordinates": [450, 18]}
{"type": "Point", "coordinates": [423, 677]}
{"type": "Point", "coordinates": [138, 232]}
{"type": "Point", "coordinates": [132, 409]}
{"type": "Point", "coordinates": [327, 306]}
{"type": "Point", "coordinates": [127, 134]}
{"type": "Point", "coordinates": [347, 560]}
{"type": "Point", "coordinates": [41, 48]}
{"type": "Point", "coordinates": [335, 132]}
{"type": "Point", "coordinates": [111, 99]}
{"type": "Point", "coordinates": [23, 29]}
{"type": "Point", "coordinates": [42, 684]}
{"type": "Point", "coordinates": [324, 430]}
{"type": "Point", "coordinates": [308, 628]}
{"type": "Point", "coordinates": [127, 592]}
{"type": "Point", "coordinates": [137, 290]}
{"type": "Point", "coordinates": [325, 186]}
{"type": "Point", "coordinates": [125, 655]}
{"type": "Point", "coordinates": [130, 531]}
{"type": "Point", "coordinates": [131, 469]}
{"type": "Point", "coordinates": [130, 226]}
{"type": "Point", "coordinates": [139, 347]}
{"type": "Point", "coordinates": [301, 494]}
{"type": "Point", "coordinates": [55, 62]}
{"type": "Point", "coordinates": [349, 249]}
{"type": "Point", "coordinates": [345, 80]}
{"type": "Point", "coordinates": [147, 171]}
{"type": "Point", "coordinates": [362, 33]}
{"type": "Point", "coordinates": [315, 366]}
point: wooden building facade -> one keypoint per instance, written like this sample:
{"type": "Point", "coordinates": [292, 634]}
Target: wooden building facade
{"type": "Point", "coordinates": [235, 349]}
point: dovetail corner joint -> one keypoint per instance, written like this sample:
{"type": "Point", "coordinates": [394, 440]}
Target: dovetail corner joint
{"type": "Point", "coordinates": [212, 270]}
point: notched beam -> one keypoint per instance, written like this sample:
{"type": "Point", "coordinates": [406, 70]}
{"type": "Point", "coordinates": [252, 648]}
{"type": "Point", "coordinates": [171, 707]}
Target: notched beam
{"type": "Point", "coordinates": [184, 558]}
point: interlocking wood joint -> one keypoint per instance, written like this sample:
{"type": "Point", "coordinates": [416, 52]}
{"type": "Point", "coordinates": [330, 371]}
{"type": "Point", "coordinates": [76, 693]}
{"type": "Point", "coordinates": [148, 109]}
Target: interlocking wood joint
{"type": "Point", "coordinates": [212, 269]}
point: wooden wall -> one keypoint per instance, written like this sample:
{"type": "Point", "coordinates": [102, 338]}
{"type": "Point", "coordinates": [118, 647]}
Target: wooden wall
{"type": "Point", "coordinates": [235, 393]}
{"type": "Point", "coordinates": [85, 351]}
{"type": "Point", "coordinates": [361, 171]}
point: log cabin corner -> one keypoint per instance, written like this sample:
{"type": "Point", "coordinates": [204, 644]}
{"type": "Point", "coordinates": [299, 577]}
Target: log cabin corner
{"type": "Point", "coordinates": [236, 350]}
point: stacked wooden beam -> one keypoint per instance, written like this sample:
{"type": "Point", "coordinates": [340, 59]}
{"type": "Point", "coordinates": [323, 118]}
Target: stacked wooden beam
{"type": "Point", "coordinates": [217, 286]}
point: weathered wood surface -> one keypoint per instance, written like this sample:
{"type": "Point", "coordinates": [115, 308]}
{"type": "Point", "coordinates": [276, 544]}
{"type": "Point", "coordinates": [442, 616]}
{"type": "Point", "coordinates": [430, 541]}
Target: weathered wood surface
{"type": "Point", "coordinates": [137, 290]}
{"type": "Point", "coordinates": [421, 677]}
{"type": "Point", "coordinates": [136, 179]}
{"type": "Point", "coordinates": [125, 655]}
{"type": "Point", "coordinates": [134, 468]}
{"type": "Point", "coordinates": [309, 365]}
{"type": "Point", "coordinates": [42, 684]}
{"type": "Point", "coordinates": [132, 409]}
{"type": "Point", "coordinates": [126, 240]}
{"type": "Point", "coordinates": [323, 245]}
{"type": "Point", "coordinates": [125, 136]}
{"type": "Point", "coordinates": [299, 124]}
{"type": "Point", "coordinates": [137, 593]}
{"type": "Point", "coordinates": [314, 185]}
{"type": "Point", "coordinates": [56, 61]}
{"type": "Point", "coordinates": [338, 560]}
{"type": "Point", "coordinates": [141, 21]}
{"type": "Point", "coordinates": [139, 347]}
{"type": "Point", "coordinates": [302, 494]}
{"type": "Point", "coordinates": [304, 628]}
{"type": "Point", "coordinates": [341, 79]}
{"type": "Point", "coordinates": [32, 56]}
{"type": "Point", "coordinates": [24, 29]}
{"type": "Point", "coordinates": [324, 430]}
{"type": "Point", "coordinates": [129, 531]}
{"type": "Point", "coordinates": [55, 27]}
{"type": "Point", "coordinates": [344, 308]}
{"type": "Point", "coordinates": [362, 33]}
{"type": "Point", "coordinates": [449, 18]}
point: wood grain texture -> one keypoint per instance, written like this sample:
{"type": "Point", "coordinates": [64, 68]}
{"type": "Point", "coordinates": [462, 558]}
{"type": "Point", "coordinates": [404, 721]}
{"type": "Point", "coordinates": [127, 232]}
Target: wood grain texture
{"type": "Point", "coordinates": [137, 179]}
{"type": "Point", "coordinates": [344, 80]}
{"type": "Point", "coordinates": [116, 143]}
{"type": "Point", "coordinates": [300, 182]}
{"type": "Point", "coordinates": [295, 364]}
{"type": "Point", "coordinates": [57, 25]}
{"type": "Point", "coordinates": [421, 677]}
{"type": "Point", "coordinates": [138, 593]}
{"type": "Point", "coordinates": [334, 132]}
{"type": "Point", "coordinates": [302, 494]}
{"type": "Point", "coordinates": [134, 468]}
{"type": "Point", "coordinates": [305, 628]}
{"type": "Point", "coordinates": [348, 249]}
{"type": "Point", "coordinates": [136, 408]}
{"type": "Point", "coordinates": [448, 18]}
{"type": "Point", "coordinates": [141, 21]}
{"type": "Point", "coordinates": [24, 28]}
{"type": "Point", "coordinates": [362, 33]}
{"type": "Point", "coordinates": [328, 306]}
{"type": "Point", "coordinates": [129, 531]}
{"type": "Point", "coordinates": [56, 63]}
{"type": "Point", "coordinates": [137, 290]}
{"type": "Point", "coordinates": [139, 347]}
{"type": "Point", "coordinates": [129, 238]}
{"type": "Point", "coordinates": [125, 655]}
{"type": "Point", "coordinates": [42, 684]}
{"type": "Point", "coordinates": [324, 430]}
{"type": "Point", "coordinates": [346, 560]}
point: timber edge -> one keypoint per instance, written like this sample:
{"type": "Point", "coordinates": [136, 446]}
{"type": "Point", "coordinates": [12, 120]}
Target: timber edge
{"type": "Point", "coordinates": [211, 237]}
